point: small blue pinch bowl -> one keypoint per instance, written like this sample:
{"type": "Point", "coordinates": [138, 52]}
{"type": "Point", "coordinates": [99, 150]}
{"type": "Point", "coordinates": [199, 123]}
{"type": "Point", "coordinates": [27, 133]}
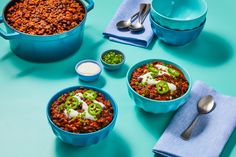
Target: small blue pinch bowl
{"type": "Point", "coordinates": [112, 66]}
{"type": "Point", "coordinates": [89, 77]}
{"type": "Point", "coordinates": [175, 37]}
{"type": "Point", "coordinates": [83, 139]}
{"type": "Point", "coordinates": [157, 106]}
{"type": "Point", "coordinates": [179, 14]}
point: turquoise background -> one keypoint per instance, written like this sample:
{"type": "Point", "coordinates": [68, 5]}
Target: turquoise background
{"type": "Point", "coordinates": [25, 88]}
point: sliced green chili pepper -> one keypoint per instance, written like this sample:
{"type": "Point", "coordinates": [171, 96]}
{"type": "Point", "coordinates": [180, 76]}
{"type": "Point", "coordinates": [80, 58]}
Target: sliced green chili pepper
{"type": "Point", "coordinates": [72, 102]}
{"type": "Point", "coordinates": [173, 72]}
{"type": "Point", "coordinates": [90, 94]}
{"type": "Point", "coordinates": [153, 69]}
{"type": "Point", "coordinates": [162, 87]}
{"type": "Point", "coordinates": [94, 109]}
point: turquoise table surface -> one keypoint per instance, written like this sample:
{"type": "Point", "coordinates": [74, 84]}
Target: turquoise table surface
{"type": "Point", "coordinates": [25, 88]}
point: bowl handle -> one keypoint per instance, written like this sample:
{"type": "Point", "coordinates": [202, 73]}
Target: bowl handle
{"type": "Point", "coordinates": [6, 35]}
{"type": "Point", "coordinates": [90, 5]}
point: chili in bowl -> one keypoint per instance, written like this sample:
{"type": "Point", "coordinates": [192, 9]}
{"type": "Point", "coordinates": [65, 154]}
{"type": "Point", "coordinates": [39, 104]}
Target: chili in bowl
{"type": "Point", "coordinates": [158, 86]}
{"type": "Point", "coordinates": [81, 115]}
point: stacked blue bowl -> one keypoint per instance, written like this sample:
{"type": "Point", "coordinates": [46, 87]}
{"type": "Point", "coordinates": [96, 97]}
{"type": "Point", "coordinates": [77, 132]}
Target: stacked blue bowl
{"type": "Point", "coordinates": [178, 22]}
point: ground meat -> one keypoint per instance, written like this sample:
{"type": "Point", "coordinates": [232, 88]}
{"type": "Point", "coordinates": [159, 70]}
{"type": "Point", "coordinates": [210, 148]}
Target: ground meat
{"type": "Point", "coordinates": [45, 17]}
{"type": "Point", "coordinates": [81, 125]}
{"type": "Point", "coordinates": [150, 91]}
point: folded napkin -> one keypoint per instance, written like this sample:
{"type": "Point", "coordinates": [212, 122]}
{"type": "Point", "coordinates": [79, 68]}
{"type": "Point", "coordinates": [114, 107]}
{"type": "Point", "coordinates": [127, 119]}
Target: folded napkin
{"type": "Point", "coordinates": [211, 132]}
{"type": "Point", "coordinates": [126, 10]}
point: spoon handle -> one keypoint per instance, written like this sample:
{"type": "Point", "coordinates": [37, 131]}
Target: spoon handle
{"type": "Point", "coordinates": [187, 132]}
{"type": "Point", "coordinates": [145, 13]}
{"type": "Point", "coordinates": [142, 9]}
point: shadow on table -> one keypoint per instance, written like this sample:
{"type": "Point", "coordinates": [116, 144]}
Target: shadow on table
{"type": "Point", "coordinates": [208, 49]}
{"type": "Point", "coordinates": [229, 145]}
{"type": "Point", "coordinates": [155, 124]}
{"type": "Point", "coordinates": [56, 70]}
{"type": "Point", "coordinates": [113, 146]}
{"type": "Point", "coordinates": [101, 82]}
{"type": "Point", "coordinates": [120, 73]}
{"type": "Point", "coordinates": [153, 42]}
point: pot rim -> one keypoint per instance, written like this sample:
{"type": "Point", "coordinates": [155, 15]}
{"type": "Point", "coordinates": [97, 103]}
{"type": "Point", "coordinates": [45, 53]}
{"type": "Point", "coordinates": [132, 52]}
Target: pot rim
{"type": "Point", "coordinates": [63, 34]}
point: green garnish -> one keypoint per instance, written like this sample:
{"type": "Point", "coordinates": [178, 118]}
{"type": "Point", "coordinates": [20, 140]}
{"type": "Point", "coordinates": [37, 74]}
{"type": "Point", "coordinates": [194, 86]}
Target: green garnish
{"type": "Point", "coordinates": [143, 83]}
{"type": "Point", "coordinates": [72, 93]}
{"type": "Point", "coordinates": [153, 69]}
{"type": "Point", "coordinates": [136, 83]}
{"type": "Point", "coordinates": [61, 107]}
{"type": "Point", "coordinates": [162, 87]}
{"type": "Point", "coordinates": [94, 109]}
{"type": "Point", "coordinates": [72, 102]}
{"type": "Point", "coordinates": [112, 57]}
{"type": "Point", "coordinates": [90, 94]}
{"type": "Point", "coordinates": [173, 72]}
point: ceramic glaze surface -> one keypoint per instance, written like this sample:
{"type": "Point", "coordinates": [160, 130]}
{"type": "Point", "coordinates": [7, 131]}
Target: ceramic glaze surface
{"type": "Point", "coordinates": [179, 14]}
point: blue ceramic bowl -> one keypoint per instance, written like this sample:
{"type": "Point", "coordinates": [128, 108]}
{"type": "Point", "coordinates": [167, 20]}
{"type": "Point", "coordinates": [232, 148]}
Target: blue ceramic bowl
{"type": "Point", "coordinates": [112, 66]}
{"type": "Point", "coordinates": [179, 14]}
{"type": "Point", "coordinates": [175, 37]}
{"type": "Point", "coordinates": [157, 106]}
{"type": "Point", "coordinates": [44, 48]}
{"type": "Point", "coordinates": [91, 77]}
{"type": "Point", "coordinates": [84, 139]}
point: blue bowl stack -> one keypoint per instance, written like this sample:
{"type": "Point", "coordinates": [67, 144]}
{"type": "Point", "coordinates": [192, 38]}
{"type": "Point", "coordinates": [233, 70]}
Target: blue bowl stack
{"type": "Point", "coordinates": [178, 22]}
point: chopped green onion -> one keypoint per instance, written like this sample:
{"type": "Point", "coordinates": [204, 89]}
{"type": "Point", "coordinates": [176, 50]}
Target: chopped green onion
{"type": "Point", "coordinates": [112, 57]}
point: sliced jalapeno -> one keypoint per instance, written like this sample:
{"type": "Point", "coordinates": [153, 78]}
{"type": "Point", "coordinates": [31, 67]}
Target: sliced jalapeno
{"type": "Point", "coordinates": [90, 94]}
{"type": "Point", "coordinates": [153, 69]}
{"type": "Point", "coordinates": [173, 72]}
{"type": "Point", "coordinates": [94, 109]}
{"type": "Point", "coordinates": [162, 87]}
{"type": "Point", "coordinates": [72, 102]}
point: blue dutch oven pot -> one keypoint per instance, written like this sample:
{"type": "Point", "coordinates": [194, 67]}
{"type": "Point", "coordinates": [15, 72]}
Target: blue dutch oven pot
{"type": "Point", "coordinates": [47, 48]}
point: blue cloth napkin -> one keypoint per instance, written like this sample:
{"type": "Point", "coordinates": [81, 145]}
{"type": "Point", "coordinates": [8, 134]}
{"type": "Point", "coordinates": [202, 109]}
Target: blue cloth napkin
{"type": "Point", "coordinates": [211, 132]}
{"type": "Point", "coordinates": [125, 11]}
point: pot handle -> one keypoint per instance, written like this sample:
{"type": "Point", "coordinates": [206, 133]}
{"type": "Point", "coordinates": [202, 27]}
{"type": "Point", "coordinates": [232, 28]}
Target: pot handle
{"type": "Point", "coordinates": [90, 5]}
{"type": "Point", "coordinates": [6, 35]}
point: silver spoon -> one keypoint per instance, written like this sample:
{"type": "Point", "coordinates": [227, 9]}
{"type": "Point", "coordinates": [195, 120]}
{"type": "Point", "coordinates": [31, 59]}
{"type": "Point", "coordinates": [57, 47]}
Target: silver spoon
{"type": "Point", "coordinates": [124, 24]}
{"type": "Point", "coordinates": [143, 12]}
{"type": "Point", "coordinates": [205, 105]}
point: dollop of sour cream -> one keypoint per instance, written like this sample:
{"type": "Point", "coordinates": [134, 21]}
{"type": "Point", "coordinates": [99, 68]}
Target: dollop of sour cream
{"type": "Point", "coordinates": [88, 68]}
{"type": "Point", "coordinates": [162, 69]}
{"type": "Point", "coordinates": [71, 113]}
{"type": "Point", "coordinates": [148, 78]}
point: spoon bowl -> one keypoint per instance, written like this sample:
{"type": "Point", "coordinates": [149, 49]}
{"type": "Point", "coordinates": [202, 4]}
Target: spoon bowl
{"type": "Point", "coordinates": [205, 105]}
{"type": "Point", "coordinates": [124, 24]}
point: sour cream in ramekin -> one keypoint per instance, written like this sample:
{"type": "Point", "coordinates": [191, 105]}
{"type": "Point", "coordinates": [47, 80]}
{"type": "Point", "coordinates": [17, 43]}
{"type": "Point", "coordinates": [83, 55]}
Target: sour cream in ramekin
{"type": "Point", "coordinates": [88, 70]}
